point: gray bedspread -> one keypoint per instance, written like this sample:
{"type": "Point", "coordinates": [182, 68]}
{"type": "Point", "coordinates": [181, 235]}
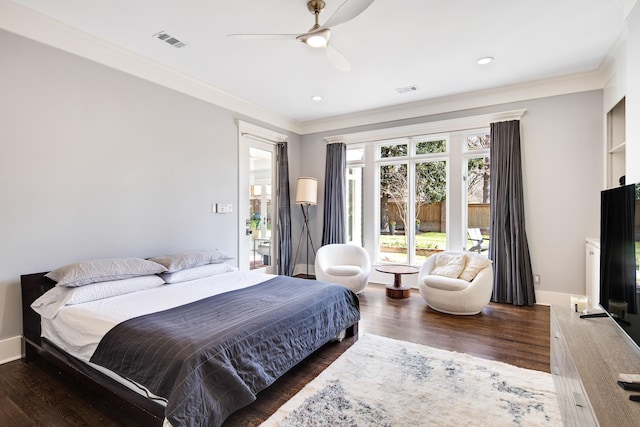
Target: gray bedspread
{"type": "Point", "coordinates": [211, 357]}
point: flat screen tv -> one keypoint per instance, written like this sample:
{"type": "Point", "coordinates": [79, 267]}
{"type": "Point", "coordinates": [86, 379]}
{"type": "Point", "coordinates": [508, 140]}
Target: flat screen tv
{"type": "Point", "coordinates": [619, 257]}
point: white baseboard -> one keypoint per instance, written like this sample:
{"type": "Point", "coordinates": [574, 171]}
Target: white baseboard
{"type": "Point", "coordinates": [10, 349]}
{"type": "Point", "coordinates": [548, 298]}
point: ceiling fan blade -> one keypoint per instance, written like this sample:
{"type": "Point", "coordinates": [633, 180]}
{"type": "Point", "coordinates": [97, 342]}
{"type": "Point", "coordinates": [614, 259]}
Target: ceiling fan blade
{"type": "Point", "coordinates": [264, 36]}
{"type": "Point", "coordinates": [347, 11]}
{"type": "Point", "coordinates": [337, 59]}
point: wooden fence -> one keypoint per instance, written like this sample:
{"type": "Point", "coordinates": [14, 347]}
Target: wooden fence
{"type": "Point", "coordinates": [433, 217]}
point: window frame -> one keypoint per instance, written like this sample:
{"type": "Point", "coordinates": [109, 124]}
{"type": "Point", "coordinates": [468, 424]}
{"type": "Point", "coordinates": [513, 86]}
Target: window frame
{"type": "Point", "coordinates": [455, 126]}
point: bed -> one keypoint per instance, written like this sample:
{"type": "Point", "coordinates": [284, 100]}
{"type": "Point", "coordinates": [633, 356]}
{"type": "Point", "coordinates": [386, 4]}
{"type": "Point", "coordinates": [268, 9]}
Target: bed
{"type": "Point", "coordinates": [187, 352]}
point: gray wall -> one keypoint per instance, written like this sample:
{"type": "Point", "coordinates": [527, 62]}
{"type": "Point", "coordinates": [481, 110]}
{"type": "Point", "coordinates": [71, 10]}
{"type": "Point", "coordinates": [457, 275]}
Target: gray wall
{"type": "Point", "coordinates": [562, 163]}
{"type": "Point", "coordinates": [97, 163]}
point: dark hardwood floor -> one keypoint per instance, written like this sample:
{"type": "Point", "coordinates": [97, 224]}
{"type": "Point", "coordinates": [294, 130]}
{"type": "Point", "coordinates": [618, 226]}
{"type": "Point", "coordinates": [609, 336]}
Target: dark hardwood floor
{"type": "Point", "coordinates": [37, 394]}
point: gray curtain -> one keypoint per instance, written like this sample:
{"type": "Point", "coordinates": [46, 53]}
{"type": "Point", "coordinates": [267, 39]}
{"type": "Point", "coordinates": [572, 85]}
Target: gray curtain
{"type": "Point", "coordinates": [285, 263]}
{"type": "Point", "coordinates": [334, 228]}
{"type": "Point", "coordinates": [508, 247]}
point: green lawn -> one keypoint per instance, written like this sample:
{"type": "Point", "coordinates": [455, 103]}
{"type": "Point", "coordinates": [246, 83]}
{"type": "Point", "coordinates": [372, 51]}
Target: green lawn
{"type": "Point", "coordinates": [424, 240]}
{"type": "Point", "coordinates": [431, 240]}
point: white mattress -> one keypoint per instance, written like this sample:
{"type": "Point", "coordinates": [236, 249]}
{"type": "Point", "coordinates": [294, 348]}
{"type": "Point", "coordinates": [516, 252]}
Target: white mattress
{"type": "Point", "coordinates": [77, 329]}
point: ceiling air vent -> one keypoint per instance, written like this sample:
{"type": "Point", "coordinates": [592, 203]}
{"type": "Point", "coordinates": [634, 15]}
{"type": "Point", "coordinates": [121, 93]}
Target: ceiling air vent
{"type": "Point", "coordinates": [412, 88]}
{"type": "Point", "coordinates": [168, 38]}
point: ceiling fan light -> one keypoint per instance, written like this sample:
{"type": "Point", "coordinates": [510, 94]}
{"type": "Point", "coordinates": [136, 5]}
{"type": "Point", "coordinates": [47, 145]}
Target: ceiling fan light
{"type": "Point", "coordinates": [317, 41]}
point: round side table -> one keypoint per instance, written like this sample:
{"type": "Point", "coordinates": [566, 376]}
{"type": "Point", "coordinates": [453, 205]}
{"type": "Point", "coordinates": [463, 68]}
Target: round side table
{"type": "Point", "coordinates": [398, 290]}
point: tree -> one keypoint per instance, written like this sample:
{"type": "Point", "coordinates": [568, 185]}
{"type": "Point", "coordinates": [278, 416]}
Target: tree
{"type": "Point", "coordinates": [431, 181]}
{"type": "Point", "coordinates": [391, 186]}
{"type": "Point", "coordinates": [479, 169]}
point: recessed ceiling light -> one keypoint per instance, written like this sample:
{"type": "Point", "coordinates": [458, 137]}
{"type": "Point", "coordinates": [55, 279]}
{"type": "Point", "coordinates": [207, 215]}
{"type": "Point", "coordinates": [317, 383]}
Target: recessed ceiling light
{"type": "Point", "coordinates": [486, 60]}
{"type": "Point", "coordinates": [316, 98]}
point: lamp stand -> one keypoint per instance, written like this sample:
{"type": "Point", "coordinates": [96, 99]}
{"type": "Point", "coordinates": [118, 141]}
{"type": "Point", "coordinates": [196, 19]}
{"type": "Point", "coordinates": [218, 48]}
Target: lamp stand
{"type": "Point", "coordinates": [305, 229]}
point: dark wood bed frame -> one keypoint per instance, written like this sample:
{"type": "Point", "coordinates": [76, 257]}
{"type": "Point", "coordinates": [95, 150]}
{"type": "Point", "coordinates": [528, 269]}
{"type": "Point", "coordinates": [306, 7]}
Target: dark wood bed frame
{"type": "Point", "coordinates": [141, 409]}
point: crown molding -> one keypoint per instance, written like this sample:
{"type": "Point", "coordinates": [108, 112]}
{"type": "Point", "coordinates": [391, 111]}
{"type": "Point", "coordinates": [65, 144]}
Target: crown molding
{"type": "Point", "coordinates": [440, 126]}
{"type": "Point", "coordinates": [592, 80]}
{"type": "Point", "coordinates": [28, 23]}
{"type": "Point", "coordinates": [628, 6]}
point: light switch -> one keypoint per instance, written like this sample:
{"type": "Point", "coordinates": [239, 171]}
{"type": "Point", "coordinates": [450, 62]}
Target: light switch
{"type": "Point", "coordinates": [224, 207]}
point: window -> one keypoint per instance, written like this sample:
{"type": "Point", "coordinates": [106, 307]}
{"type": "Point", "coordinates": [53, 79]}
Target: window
{"type": "Point", "coordinates": [428, 191]}
{"type": "Point", "coordinates": [478, 174]}
{"type": "Point", "coordinates": [412, 182]}
{"type": "Point", "coordinates": [355, 187]}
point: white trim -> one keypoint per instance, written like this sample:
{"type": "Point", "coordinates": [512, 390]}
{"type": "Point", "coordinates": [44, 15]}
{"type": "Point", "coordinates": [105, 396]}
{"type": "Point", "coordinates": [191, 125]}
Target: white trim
{"type": "Point", "coordinates": [261, 134]}
{"type": "Point", "coordinates": [573, 83]}
{"type": "Point", "coordinates": [628, 6]}
{"type": "Point", "coordinates": [553, 298]}
{"type": "Point", "coordinates": [442, 126]}
{"type": "Point", "coordinates": [250, 135]}
{"type": "Point", "coordinates": [28, 23]}
{"type": "Point", "coordinates": [10, 349]}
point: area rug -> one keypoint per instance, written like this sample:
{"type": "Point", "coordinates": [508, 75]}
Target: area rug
{"type": "Point", "coordinates": [384, 382]}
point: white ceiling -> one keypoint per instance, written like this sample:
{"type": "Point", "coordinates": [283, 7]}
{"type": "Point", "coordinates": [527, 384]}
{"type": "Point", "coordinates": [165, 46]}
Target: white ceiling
{"type": "Point", "coordinates": [433, 44]}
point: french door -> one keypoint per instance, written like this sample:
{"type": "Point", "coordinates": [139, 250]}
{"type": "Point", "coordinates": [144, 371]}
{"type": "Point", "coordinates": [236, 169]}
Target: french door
{"type": "Point", "coordinates": [257, 211]}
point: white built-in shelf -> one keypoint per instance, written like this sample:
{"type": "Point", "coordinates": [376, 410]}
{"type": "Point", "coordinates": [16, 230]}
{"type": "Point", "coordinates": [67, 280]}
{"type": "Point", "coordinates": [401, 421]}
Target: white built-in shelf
{"type": "Point", "coordinates": [620, 148]}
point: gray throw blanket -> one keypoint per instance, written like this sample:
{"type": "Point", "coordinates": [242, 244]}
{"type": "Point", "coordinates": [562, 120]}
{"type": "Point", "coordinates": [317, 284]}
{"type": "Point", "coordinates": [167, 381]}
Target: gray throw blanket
{"type": "Point", "coordinates": [211, 357]}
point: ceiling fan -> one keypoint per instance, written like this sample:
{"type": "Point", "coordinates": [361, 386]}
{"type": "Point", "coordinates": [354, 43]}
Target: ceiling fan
{"type": "Point", "coordinates": [318, 35]}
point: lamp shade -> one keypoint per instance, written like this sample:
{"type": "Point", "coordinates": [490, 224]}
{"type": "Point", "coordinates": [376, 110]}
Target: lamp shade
{"type": "Point", "coordinates": [307, 192]}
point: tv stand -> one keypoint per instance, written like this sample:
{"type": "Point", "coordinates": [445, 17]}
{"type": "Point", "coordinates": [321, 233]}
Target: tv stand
{"type": "Point", "coordinates": [587, 355]}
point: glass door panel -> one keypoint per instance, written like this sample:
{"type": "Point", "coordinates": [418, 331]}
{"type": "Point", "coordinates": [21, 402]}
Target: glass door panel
{"type": "Point", "coordinates": [392, 238]}
{"type": "Point", "coordinates": [478, 181]}
{"type": "Point", "coordinates": [260, 208]}
{"type": "Point", "coordinates": [355, 230]}
{"type": "Point", "coordinates": [430, 209]}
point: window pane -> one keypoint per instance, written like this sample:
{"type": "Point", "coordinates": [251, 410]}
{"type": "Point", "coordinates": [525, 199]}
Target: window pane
{"type": "Point", "coordinates": [430, 199]}
{"type": "Point", "coordinates": [478, 142]}
{"type": "Point", "coordinates": [393, 203]}
{"type": "Point", "coordinates": [478, 203]}
{"type": "Point", "coordinates": [426, 147]}
{"type": "Point", "coordinates": [398, 150]}
{"type": "Point", "coordinates": [260, 177]}
{"type": "Point", "coordinates": [354, 206]}
{"type": "Point", "coordinates": [355, 154]}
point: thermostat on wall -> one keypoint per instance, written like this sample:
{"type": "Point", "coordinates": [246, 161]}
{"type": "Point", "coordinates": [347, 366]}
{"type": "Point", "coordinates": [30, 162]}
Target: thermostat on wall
{"type": "Point", "coordinates": [224, 207]}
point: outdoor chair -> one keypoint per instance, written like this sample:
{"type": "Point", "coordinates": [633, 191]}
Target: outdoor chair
{"type": "Point", "coordinates": [475, 235]}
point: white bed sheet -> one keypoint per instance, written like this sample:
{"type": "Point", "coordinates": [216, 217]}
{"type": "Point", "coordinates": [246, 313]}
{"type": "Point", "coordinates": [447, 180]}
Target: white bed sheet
{"type": "Point", "coordinates": [77, 329]}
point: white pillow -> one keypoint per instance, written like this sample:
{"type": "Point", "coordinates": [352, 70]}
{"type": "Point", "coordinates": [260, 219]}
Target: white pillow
{"type": "Point", "coordinates": [102, 270]}
{"type": "Point", "coordinates": [474, 265]}
{"type": "Point", "coordinates": [449, 265]}
{"type": "Point", "coordinates": [52, 301]}
{"type": "Point", "coordinates": [190, 259]}
{"type": "Point", "coordinates": [196, 272]}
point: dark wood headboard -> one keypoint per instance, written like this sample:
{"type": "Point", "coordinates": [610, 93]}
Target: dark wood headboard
{"type": "Point", "coordinates": [33, 286]}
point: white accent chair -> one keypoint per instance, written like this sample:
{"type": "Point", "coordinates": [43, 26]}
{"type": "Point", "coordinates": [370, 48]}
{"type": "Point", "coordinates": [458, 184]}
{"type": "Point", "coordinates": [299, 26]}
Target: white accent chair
{"type": "Point", "coordinates": [344, 264]}
{"type": "Point", "coordinates": [455, 295]}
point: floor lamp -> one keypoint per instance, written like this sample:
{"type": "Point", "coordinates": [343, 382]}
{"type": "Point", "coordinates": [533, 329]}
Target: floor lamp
{"type": "Point", "coordinates": [306, 195]}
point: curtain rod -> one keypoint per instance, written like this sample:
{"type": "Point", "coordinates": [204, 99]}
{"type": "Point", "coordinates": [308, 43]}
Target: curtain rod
{"type": "Point", "coordinates": [261, 138]}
